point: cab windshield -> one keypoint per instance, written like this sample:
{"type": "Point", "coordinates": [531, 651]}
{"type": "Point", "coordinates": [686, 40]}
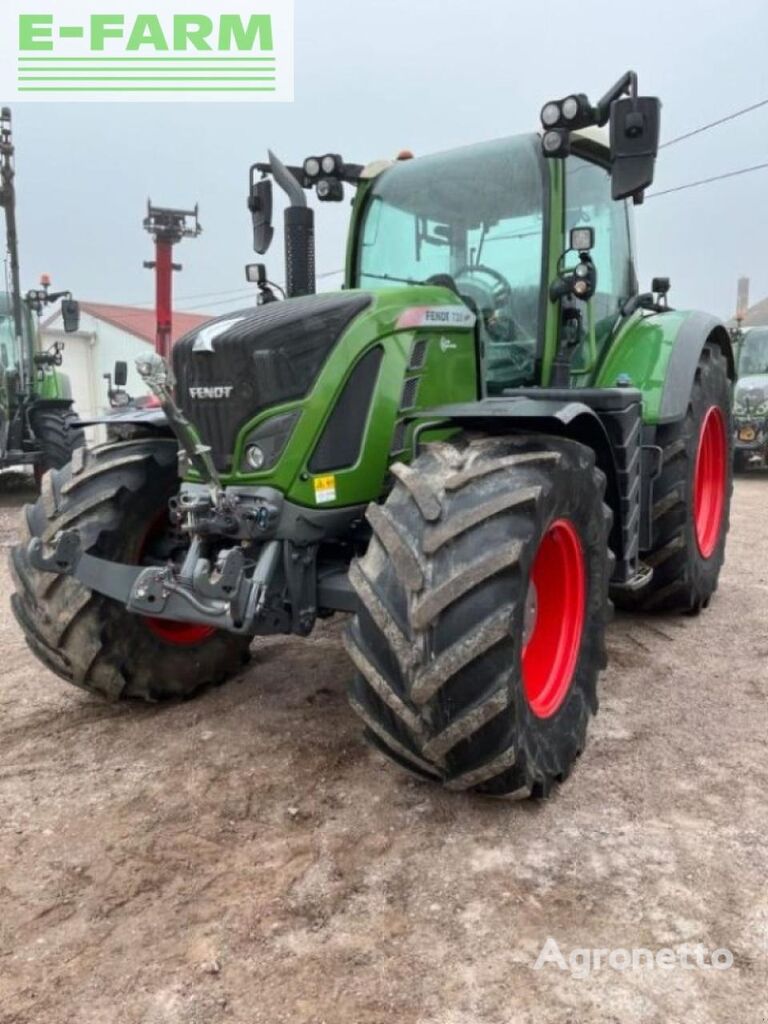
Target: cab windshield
{"type": "Point", "coordinates": [473, 220]}
{"type": "Point", "coordinates": [753, 353]}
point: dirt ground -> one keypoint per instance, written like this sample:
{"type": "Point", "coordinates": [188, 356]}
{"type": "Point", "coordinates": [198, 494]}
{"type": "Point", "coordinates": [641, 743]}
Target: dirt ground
{"type": "Point", "coordinates": [245, 858]}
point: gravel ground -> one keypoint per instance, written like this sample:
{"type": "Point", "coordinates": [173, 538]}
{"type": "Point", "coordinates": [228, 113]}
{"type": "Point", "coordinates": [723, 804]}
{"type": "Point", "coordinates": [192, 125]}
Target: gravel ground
{"type": "Point", "coordinates": [244, 858]}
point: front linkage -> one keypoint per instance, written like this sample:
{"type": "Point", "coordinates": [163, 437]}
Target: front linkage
{"type": "Point", "coordinates": [247, 588]}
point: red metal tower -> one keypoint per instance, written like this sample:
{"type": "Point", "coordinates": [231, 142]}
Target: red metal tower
{"type": "Point", "coordinates": [167, 227]}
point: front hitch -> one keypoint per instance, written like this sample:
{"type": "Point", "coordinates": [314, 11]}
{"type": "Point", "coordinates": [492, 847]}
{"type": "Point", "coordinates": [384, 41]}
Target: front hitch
{"type": "Point", "coordinates": [221, 596]}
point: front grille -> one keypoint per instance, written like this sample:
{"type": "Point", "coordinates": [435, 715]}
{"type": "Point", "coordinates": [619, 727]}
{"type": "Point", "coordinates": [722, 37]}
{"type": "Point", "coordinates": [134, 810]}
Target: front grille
{"type": "Point", "coordinates": [418, 354]}
{"type": "Point", "coordinates": [342, 438]}
{"type": "Point", "coordinates": [398, 439]}
{"type": "Point", "coordinates": [410, 390]}
{"type": "Point", "coordinates": [263, 357]}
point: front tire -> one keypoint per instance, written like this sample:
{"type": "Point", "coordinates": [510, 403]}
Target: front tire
{"type": "Point", "coordinates": [58, 435]}
{"type": "Point", "coordinates": [114, 495]}
{"type": "Point", "coordinates": [468, 674]}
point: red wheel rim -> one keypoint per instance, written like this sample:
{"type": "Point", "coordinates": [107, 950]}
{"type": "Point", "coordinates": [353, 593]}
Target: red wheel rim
{"type": "Point", "coordinates": [558, 609]}
{"type": "Point", "coordinates": [709, 481]}
{"type": "Point", "coordinates": [177, 634]}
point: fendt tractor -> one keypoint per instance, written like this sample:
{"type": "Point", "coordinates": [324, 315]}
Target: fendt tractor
{"type": "Point", "coordinates": [38, 425]}
{"type": "Point", "coordinates": [475, 445]}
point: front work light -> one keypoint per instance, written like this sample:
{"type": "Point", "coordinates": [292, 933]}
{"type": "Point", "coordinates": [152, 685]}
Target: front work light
{"type": "Point", "coordinates": [550, 114]}
{"type": "Point", "coordinates": [330, 190]}
{"type": "Point", "coordinates": [556, 142]}
{"type": "Point", "coordinates": [312, 167]}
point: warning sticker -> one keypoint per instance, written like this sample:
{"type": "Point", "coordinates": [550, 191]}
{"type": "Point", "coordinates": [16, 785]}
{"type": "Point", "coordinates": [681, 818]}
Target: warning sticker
{"type": "Point", "coordinates": [325, 489]}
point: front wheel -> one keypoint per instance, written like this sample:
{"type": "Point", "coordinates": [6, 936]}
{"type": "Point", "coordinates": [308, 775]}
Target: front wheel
{"type": "Point", "coordinates": [116, 496]}
{"type": "Point", "coordinates": [58, 434]}
{"type": "Point", "coordinates": [483, 600]}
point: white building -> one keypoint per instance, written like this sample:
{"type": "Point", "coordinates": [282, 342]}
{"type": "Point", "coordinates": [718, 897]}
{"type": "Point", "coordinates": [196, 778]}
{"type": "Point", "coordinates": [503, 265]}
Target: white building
{"type": "Point", "coordinates": [107, 333]}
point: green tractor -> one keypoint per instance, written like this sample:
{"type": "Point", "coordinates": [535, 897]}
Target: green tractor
{"type": "Point", "coordinates": [38, 426]}
{"type": "Point", "coordinates": [486, 436]}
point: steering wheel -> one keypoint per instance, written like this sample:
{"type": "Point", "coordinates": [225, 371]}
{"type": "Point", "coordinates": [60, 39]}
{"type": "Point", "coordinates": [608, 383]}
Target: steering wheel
{"type": "Point", "coordinates": [494, 301]}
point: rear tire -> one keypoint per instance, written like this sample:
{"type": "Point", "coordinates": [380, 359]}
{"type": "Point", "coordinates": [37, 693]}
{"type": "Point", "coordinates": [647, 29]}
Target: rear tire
{"type": "Point", "coordinates": [687, 560]}
{"type": "Point", "coordinates": [58, 435]}
{"type": "Point", "coordinates": [112, 494]}
{"type": "Point", "coordinates": [458, 678]}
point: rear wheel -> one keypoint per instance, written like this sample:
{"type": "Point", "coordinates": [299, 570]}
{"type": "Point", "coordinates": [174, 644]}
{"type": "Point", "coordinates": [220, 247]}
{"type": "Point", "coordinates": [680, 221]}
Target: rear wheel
{"type": "Point", "coordinates": [691, 498]}
{"type": "Point", "coordinates": [58, 435]}
{"type": "Point", "coordinates": [116, 496]}
{"type": "Point", "coordinates": [483, 602]}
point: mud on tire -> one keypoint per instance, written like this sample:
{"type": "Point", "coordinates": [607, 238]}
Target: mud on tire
{"type": "Point", "coordinates": [111, 494]}
{"type": "Point", "coordinates": [439, 638]}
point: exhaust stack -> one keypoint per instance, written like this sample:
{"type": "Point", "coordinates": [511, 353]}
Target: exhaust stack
{"type": "Point", "coordinates": [299, 233]}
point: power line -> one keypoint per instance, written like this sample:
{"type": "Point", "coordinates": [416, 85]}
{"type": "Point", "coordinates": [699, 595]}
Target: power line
{"type": "Point", "coordinates": [234, 292]}
{"type": "Point", "coordinates": [714, 124]}
{"type": "Point", "coordinates": [707, 181]}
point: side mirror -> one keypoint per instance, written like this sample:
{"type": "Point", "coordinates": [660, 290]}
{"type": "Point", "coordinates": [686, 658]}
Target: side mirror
{"type": "Point", "coordinates": [121, 374]}
{"type": "Point", "coordinates": [634, 134]}
{"type": "Point", "coordinates": [70, 314]}
{"type": "Point", "coordinates": [260, 205]}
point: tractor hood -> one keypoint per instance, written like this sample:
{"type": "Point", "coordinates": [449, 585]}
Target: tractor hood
{"type": "Point", "coordinates": [750, 397]}
{"type": "Point", "coordinates": [242, 363]}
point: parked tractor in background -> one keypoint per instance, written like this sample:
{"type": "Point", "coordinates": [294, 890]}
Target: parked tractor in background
{"type": "Point", "coordinates": [750, 400]}
{"type": "Point", "coordinates": [487, 434]}
{"type": "Point", "coordinates": [38, 426]}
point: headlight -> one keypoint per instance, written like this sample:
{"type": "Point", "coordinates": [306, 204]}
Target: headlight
{"type": "Point", "coordinates": [254, 456]}
{"type": "Point", "coordinates": [266, 443]}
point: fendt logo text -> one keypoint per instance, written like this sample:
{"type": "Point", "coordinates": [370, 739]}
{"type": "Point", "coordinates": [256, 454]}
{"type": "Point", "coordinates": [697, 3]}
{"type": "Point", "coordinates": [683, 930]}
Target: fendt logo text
{"type": "Point", "coordinates": [243, 52]}
{"type": "Point", "coordinates": [213, 391]}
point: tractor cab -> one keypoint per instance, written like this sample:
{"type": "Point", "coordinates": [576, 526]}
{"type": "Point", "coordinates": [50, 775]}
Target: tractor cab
{"type": "Point", "coordinates": [491, 222]}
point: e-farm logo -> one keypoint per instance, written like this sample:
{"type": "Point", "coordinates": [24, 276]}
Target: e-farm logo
{"type": "Point", "coordinates": [167, 50]}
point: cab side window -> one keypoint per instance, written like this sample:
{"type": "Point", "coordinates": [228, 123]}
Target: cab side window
{"type": "Point", "coordinates": [588, 202]}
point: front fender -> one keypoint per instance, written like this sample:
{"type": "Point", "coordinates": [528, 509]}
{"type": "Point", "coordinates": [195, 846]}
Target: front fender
{"type": "Point", "coordinates": [54, 385]}
{"type": "Point", "coordinates": [149, 417]}
{"type": "Point", "coordinates": [659, 354]}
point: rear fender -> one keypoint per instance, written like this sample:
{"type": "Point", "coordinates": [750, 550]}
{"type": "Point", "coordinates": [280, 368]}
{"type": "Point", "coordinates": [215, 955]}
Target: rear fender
{"type": "Point", "coordinates": [659, 355]}
{"type": "Point", "coordinates": [562, 418]}
{"type": "Point", "coordinates": [51, 404]}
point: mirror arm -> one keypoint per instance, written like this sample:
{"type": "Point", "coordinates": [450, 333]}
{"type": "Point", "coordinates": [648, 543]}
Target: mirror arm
{"type": "Point", "coordinates": [286, 181]}
{"type": "Point", "coordinates": [626, 84]}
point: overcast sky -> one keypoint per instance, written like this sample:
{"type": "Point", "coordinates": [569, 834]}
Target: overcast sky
{"type": "Point", "coordinates": [375, 76]}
